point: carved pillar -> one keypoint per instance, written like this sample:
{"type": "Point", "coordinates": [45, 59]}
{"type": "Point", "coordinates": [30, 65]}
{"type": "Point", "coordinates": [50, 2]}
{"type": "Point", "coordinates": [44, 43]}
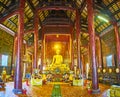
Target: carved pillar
{"type": "Point", "coordinates": [18, 73]}
{"type": "Point", "coordinates": [117, 43]}
{"type": "Point", "coordinates": [78, 38]}
{"type": "Point", "coordinates": [90, 10]}
{"type": "Point", "coordinates": [36, 20]}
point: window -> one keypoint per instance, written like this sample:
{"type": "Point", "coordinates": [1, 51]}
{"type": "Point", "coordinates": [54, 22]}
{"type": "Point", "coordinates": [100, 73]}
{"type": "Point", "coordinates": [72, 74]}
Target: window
{"type": "Point", "coordinates": [4, 60]}
{"type": "Point", "coordinates": [109, 60]}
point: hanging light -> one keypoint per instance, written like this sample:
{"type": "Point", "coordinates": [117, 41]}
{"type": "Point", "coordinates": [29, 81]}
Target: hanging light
{"type": "Point", "coordinates": [102, 18]}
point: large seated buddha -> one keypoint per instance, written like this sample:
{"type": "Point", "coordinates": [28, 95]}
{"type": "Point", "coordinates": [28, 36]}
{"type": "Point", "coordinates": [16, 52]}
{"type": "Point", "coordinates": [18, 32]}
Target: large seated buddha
{"type": "Point", "coordinates": [57, 63]}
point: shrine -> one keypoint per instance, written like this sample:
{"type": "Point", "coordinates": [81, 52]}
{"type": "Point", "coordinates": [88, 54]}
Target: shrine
{"type": "Point", "coordinates": [59, 48]}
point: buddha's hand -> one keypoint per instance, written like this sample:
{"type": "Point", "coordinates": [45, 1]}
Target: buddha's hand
{"type": "Point", "coordinates": [51, 65]}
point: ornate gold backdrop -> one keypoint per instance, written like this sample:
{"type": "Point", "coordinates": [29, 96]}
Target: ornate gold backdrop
{"type": "Point", "coordinates": [57, 42]}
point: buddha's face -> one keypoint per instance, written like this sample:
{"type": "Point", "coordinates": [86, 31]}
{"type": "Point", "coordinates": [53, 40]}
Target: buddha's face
{"type": "Point", "coordinates": [57, 52]}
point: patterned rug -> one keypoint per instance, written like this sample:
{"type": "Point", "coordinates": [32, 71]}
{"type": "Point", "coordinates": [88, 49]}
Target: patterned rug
{"type": "Point", "coordinates": [56, 92]}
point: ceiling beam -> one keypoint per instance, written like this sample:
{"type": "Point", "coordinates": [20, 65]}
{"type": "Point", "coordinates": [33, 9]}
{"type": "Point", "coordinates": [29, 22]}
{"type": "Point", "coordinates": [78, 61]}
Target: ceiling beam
{"type": "Point", "coordinates": [12, 23]}
{"type": "Point", "coordinates": [9, 15]}
{"type": "Point", "coordinates": [98, 25]}
{"type": "Point", "coordinates": [73, 3]}
{"type": "Point", "coordinates": [43, 11]}
{"type": "Point", "coordinates": [55, 8]}
{"type": "Point", "coordinates": [12, 9]}
{"type": "Point", "coordinates": [29, 2]}
{"type": "Point", "coordinates": [3, 5]}
{"type": "Point", "coordinates": [7, 30]}
{"type": "Point", "coordinates": [108, 29]}
{"type": "Point", "coordinates": [82, 6]}
{"type": "Point", "coordinates": [27, 17]}
{"type": "Point", "coordinates": [111, 3]}
{"type": "Point", "coordinates": [116, 12]}
{"type": "Point", "coordinates": [53, 25]}
{"type": "Point", "coordinates": [106, 10]}
{"type": "Point", "coordinates": [28, 31]}
{"type": "Point", "coordinates": [43, 15]}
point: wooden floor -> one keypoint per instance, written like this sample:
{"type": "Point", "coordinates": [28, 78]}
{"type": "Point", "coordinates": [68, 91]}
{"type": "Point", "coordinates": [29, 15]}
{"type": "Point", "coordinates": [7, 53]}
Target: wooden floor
{"type": "Point", "coordinates": [46, 90]}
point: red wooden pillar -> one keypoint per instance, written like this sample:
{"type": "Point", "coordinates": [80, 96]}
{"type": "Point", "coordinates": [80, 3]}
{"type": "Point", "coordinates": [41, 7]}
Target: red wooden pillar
{"type": "Point", "coordinates": [14, 51]}
{"type": "Point", "coordinates": [88, 53]}
{"type": "Point", "coordinates": [99, 49]}
{"type": "Point", "coordinates": [95, 85]}
{"type": "Point", "coordinates": [117, 43]}
{"type": "Point", "coordinates": [78, 38]}
{"type": "Point", "coordinates": [83, 64]}
{"type": "Point", "coordinates": [72, 54]}
{"type": "Point", "coordinates": [42, 55]}
{"type": "Point", "coordinates": [72, 49]}
{"type": "Point", "coordinates": [36, 20]}
{"type": "Point", "coordinates": [18, 73]}
{"type": "Point", "coordinates": [42, 49]}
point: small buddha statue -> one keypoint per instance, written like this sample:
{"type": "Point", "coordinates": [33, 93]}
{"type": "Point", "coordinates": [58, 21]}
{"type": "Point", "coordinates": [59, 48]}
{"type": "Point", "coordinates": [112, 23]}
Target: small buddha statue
{"type": "Point", "coordinates": [4, 74]}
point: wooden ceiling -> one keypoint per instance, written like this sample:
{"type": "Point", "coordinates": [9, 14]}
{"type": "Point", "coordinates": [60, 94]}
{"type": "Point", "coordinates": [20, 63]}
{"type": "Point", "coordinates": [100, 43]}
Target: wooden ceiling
{"type": "Point", "coordinates": [110, 9]}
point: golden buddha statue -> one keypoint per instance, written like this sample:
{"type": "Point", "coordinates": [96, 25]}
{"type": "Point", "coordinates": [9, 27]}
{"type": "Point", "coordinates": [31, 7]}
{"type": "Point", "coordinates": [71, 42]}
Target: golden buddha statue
{"type": "Point", "coordinates": [57, 59]}
{"type": "Point", "coordinates": [4, 74]}
{"type": "Point", "coordinates": [57, 63]}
